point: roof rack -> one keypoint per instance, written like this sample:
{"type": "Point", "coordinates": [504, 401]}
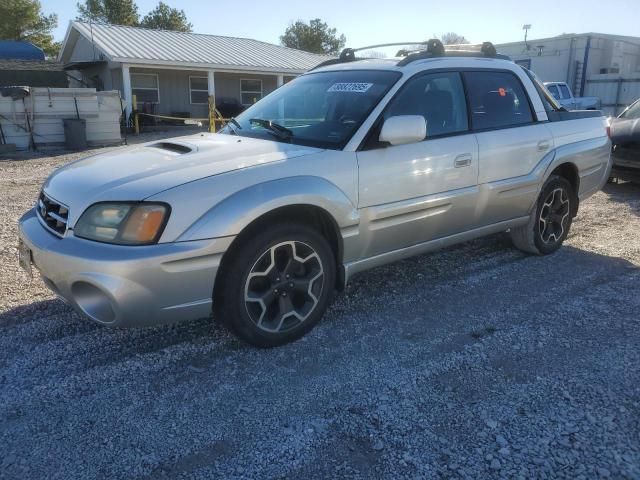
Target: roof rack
{"type": "Point", "coordinates": [349, 54]}
{"type": "Point", "coordinates": [434, 48]}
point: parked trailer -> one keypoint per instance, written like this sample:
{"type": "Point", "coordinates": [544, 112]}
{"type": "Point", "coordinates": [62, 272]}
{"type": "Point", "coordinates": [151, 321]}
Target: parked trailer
{"type": "Point", "coordinates": [39, 117]}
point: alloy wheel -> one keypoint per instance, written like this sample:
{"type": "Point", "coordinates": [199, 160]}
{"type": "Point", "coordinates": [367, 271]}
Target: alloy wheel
{"type": "Point", "coordinates": [283, 286]}
{"type": "Point", "coordinates": [554, 215]}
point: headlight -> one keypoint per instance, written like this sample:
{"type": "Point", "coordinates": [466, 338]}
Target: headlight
{"type": "Point", "coordinates": [123, 223]}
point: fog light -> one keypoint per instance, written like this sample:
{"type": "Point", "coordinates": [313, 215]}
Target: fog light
{"type": "Point", "coordinates": [93, 302]}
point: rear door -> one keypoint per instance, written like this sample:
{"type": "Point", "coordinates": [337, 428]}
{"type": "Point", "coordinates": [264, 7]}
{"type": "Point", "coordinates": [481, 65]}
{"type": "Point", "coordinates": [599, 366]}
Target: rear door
{"type": "Point", "coordinates": [412, 193]}
{"type": "Point", "coordinates": [511, 143]}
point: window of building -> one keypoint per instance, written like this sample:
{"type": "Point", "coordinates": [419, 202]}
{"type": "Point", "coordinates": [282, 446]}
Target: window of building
{"type": "Point", "coordinates": [145, 86]}
{"type": "Point", "coordinates": [497, 100]}
{"type": "Point", "coordinates": [250, 91]}
{"type": "Point", "coordinates": [199, 90]}
{"type": "Point", "coordinates": [438, 97]}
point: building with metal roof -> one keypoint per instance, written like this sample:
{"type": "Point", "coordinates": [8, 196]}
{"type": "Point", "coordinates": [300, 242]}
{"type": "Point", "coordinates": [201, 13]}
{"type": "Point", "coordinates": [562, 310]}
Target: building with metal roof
{"type": "Point", "coordinates": [174, 73]}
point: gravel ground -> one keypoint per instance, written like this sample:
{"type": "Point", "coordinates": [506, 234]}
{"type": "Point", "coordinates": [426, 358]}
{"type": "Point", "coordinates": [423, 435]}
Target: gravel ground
{"type": "Point", "coordinates": [474, 362]}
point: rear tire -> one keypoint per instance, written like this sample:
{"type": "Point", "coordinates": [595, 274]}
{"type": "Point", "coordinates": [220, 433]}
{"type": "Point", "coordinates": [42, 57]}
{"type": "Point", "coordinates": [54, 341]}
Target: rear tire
{"type": "Point", "coordinates": [276, 286]}
{"type": "Point", "coordinates": [550, 219]}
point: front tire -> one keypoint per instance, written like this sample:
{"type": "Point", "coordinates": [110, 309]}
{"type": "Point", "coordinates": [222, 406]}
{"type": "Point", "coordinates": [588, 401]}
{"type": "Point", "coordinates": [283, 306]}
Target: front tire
{"type": "Point", "coordinates": [550, 220]}
{"type": "Point", "coordinates": [277, 285]}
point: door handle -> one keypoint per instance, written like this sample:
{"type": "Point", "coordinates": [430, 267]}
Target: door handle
{"type": "Point", "coordinates": [463, 160]}
{"type": "Point", "coordinates": [543, 145]}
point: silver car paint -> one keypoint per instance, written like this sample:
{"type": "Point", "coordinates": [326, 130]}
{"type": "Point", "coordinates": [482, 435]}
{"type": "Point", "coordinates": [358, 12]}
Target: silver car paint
{"type": "Point", "coordinates": [327, 179]}
{"type": "Point", "coordinates": [136, 173]}
{"type": "Point", "coordinates": [414, 193]}
{"type": "Point", "coordinates": [388, 204]}
{"type": "Point", "coordinates": [140, 286]}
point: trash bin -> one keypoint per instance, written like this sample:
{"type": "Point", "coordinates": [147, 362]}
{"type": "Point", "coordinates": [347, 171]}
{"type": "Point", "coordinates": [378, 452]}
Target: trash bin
{"type": "Point", "coordinates": [75, 133]}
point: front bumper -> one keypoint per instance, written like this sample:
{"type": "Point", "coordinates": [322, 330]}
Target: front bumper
{"type": "Point", "coordinates": [127, 285]}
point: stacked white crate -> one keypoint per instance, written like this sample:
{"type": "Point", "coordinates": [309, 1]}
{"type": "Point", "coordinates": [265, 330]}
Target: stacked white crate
{"type": "Point", "coordinates": [47, 107]}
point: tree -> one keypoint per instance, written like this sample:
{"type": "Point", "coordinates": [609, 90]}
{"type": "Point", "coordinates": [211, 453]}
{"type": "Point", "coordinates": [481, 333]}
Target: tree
{"type": "Point", "coordinates": [115, 12]}
{"type": "Point", "coordinates": [452, 38]}
{"type": "Point", "coordinates": [315, 37]}
{"type": "Point", "coordinates": [163, 17]}
{"type": "Point", "coordinates": [23, 20]}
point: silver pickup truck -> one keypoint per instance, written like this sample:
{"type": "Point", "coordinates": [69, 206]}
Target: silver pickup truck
{"type": "Point", "coordinates": [355, 164]}
{"type": "Point", "coordinates": [562, 93]}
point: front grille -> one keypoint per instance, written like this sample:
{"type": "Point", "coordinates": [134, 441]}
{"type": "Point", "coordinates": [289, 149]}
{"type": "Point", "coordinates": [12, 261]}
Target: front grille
{"type": "Point", "coordinates": [53, 214]}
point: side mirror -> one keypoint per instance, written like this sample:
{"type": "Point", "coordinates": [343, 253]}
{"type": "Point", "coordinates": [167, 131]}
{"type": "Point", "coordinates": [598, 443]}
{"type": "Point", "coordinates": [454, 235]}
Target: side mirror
{"type": "Point", "coordinates": [403, 129]}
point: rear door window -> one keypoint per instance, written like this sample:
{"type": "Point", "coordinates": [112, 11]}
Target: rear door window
{"type": "Point", "coordinates": [496, 100]}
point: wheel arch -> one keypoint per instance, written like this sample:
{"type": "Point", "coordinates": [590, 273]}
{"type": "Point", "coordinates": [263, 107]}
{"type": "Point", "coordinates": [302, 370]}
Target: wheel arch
{"type": "Point", "coordinates": [236, 212]}
{"type": "Point", "coordinates": [569, 171]}
{"type": "Point", "coordinates": [309, 215]}
{"type": "Point", "coordinates": [309, 201]}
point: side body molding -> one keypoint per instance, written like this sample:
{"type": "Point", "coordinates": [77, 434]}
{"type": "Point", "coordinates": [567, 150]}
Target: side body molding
{"type": "Point", "coordinates": [230, 216]}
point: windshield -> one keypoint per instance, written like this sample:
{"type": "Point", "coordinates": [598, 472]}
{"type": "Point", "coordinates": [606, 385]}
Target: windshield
{"type": "Point", "coordinates": [632, 111]}
{"type": "Point", "coordinates": [322, 109]}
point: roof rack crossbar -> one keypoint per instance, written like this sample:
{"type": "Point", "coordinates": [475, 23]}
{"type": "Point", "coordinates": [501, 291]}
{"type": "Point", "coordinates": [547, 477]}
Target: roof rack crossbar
{"type": "Point", "coordinates": [434, 48]}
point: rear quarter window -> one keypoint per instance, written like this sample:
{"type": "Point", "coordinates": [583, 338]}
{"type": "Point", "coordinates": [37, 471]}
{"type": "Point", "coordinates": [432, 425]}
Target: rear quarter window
{"type": "Point", "coordinates": [554, 91]}
{"type": "Point", "coordinates": [565, 91]}
{"type": "Point", "coordinates": [496, 100]}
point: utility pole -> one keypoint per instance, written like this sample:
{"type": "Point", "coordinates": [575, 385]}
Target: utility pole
{"type": "Point", "coordinates": [526, 28]}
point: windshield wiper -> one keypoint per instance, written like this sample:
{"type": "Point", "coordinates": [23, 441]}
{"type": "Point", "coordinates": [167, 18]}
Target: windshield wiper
{"type": "Point", "coordinates": [232, 123]}
{"type": "Point", "coordinates": [278, 130]}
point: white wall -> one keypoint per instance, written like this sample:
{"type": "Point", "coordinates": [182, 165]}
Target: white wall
{"type": "Point", "coordinates": [561, 58]}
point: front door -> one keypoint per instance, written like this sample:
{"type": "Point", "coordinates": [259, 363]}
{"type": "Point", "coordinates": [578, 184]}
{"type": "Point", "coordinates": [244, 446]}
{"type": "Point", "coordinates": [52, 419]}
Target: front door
{"type": "Point", "coordinates": [409, 194]}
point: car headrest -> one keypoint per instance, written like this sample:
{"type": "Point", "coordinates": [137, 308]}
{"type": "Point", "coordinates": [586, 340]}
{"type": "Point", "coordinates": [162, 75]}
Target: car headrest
{"type": "Point", "coordinates": [499, 102]}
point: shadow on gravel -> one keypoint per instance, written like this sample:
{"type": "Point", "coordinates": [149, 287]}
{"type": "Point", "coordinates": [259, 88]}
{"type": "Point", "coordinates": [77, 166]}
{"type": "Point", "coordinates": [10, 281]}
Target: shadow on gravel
{"type": "Point", "coordinates": [33, 312]}
{"type": "Point", "coordinates": [413, 357]}
{"type": "Point", "coordinates": [624, 192]}
{"type": "Point", "coordinates": [474, 279]}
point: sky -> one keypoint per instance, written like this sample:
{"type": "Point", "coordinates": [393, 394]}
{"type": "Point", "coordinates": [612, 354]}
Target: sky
{"type": "Point", "coordinates": [371, 22]}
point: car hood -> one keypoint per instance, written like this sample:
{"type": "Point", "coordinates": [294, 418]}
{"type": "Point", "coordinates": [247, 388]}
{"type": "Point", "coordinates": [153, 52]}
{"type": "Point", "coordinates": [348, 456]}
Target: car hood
{"type": "Point", "coordinates": [136, 173]}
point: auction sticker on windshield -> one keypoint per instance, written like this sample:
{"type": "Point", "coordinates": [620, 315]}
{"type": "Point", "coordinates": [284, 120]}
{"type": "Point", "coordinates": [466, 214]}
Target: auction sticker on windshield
{"type": "Point", "coordinates": [351, 87]}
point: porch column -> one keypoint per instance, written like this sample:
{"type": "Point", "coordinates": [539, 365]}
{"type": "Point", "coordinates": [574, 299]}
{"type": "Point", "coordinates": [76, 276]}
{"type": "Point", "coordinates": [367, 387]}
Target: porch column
{"type": "Point", "coordinates": [211, 83]}
{"type": "Point", "coordinates": [126, 89]}
{"type": "Point", "coordinates": [279, 83]}
{"type": "Point", "coordinates": [211, 91]}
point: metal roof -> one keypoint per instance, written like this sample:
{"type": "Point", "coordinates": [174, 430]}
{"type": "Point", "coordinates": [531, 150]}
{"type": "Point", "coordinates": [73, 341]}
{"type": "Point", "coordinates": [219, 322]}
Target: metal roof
{"type": "Point", "coordinates": [161, 47]}
{"type": "Point", "coordinates": [40, 65]}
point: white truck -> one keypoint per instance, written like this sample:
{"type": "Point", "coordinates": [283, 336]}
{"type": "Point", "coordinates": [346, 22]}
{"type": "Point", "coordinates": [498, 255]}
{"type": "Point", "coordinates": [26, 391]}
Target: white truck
{"type": "Point", "coordinates": [562, 93]}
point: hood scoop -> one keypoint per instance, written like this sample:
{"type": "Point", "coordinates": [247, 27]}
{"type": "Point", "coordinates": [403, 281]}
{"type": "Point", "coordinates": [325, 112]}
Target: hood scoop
{"type": "Point", "coordinates": [173, 147]}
